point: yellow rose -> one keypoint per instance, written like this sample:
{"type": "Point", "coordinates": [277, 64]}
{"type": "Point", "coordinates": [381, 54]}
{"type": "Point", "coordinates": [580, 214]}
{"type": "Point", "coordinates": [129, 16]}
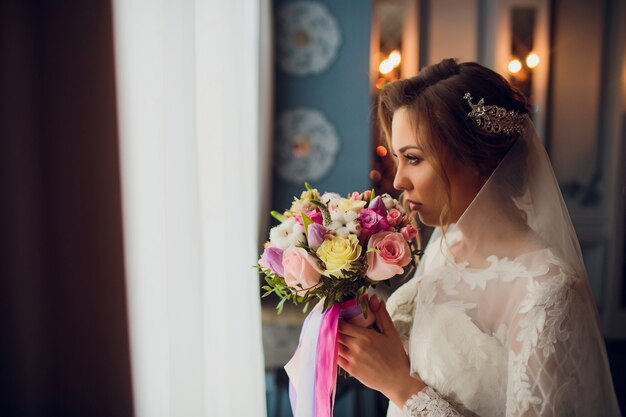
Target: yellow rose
{"type": "Point", "coordinates": [338, 254]}
{"type": "Point", "coordinates": [347, 205]}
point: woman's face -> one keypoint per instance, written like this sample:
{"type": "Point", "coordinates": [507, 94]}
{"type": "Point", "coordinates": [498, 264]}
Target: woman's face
{"type": "Point", "coordinates": [417, 177]}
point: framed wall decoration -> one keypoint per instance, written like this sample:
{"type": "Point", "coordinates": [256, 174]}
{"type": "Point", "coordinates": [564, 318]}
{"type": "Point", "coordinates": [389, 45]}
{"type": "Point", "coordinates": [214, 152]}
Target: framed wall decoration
{"type": "Point", "coordinates": [306, 145]}
{"type": "Point", "coordinates": [307, 38]}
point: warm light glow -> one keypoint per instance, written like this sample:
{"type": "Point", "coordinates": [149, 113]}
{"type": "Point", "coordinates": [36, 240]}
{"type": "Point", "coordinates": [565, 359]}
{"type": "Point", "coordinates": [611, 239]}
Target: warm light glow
{"type": "Point", "coordinates": [395, 58]}
{"type": "Point", "coordinates": [385, 67]}
{"type": "Point", "coordinates": [532, 60]}
{"type": "Point", "coordinates": [381, 151]}
{"type": "Point", "coordinates": [515, 66]}
{"type": "Point", "coordinates": [375, 175]}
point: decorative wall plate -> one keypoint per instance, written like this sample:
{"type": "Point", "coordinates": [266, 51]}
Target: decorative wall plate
{"type": "Point", "coordinates": [306, 146]}
{"type": "Point", "coordinates": [307, 37]}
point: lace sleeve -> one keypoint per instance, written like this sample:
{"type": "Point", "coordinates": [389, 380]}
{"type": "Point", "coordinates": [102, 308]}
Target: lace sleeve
{"type": "Point", "coordinates": [429, 403]}
{"type": "Point", "coordinates": [401, 306]}
{"type": "Point", "coordinates": [554, 356]}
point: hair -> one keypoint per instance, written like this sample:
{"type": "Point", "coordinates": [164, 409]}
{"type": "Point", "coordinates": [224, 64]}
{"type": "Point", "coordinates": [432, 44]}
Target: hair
{"type": "Point", "coordinates": [438, 112]}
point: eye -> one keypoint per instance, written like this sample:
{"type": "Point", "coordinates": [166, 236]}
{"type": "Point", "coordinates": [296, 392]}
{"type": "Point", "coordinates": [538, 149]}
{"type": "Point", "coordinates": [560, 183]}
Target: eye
{"type": "Point", "coordinates": [412, 159]}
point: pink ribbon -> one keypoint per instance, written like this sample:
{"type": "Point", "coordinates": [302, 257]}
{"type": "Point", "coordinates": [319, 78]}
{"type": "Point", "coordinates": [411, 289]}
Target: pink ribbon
{"type": "Point", "coordinates": [313, 368]}
{"type": "Point", "coordinates": [326, 368]}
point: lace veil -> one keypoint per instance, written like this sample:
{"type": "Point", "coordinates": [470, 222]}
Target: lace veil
{"type": "Point", "coordinates": [515, 269]}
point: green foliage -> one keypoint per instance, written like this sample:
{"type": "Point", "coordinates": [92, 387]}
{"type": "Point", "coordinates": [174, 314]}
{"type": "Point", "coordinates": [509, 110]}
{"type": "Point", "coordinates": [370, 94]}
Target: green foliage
{"type": "Point", "coordinates": [281, 218]}
{"type": "Point", "coordinates": [306, 220]}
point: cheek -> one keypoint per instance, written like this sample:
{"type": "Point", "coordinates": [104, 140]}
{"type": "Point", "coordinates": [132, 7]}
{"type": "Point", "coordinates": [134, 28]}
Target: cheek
{"type": "Point", "coordinates": [428, 184]}
{"type": "Point", "coordinates": [432, 195]}
{"type": "Point", "coordinates": [464, 188]}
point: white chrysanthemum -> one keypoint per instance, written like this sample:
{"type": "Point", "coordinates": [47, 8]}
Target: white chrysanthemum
{"type": "Point", "coordinates": [344, 223]}
{"type": "Point", "coordinates": [330, 199]}
{"type": "Point", "coordinates": [286, 234]}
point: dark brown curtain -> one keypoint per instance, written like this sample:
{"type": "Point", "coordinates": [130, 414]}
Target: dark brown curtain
{"type": "Point", "coordinates": [64, 335]}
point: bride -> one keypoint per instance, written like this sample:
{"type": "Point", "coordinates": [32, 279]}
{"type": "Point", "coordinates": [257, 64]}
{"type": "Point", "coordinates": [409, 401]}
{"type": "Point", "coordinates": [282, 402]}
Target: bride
{"type": "Point", "coordinates": [500, 319]}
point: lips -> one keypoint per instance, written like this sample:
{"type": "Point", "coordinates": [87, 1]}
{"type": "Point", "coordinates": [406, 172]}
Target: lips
{"type": "Point", "coordinates": [414, 206]}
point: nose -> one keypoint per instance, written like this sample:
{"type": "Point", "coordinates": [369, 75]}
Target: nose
{"type": "Point", "coordinates": [400, 181]}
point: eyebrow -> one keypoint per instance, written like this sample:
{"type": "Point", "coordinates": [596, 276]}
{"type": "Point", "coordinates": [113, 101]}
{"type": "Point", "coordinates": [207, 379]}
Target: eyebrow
{"type": "Point", "coordinates": [406, 148]}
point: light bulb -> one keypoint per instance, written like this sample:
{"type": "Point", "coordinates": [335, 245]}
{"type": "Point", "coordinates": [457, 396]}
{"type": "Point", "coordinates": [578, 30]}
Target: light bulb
{"type": "Point", "coordinates": [385, 67]}
{"type": "Point", "coordinates": [532, 60]}
{"type": "Point", "coordinates": [395, 58]}
{"type": "Point", "coordinates": [515, 66]}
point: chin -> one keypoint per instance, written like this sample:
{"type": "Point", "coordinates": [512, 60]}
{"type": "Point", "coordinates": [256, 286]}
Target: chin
{"type": "Point", "coordinates": [431, 221]}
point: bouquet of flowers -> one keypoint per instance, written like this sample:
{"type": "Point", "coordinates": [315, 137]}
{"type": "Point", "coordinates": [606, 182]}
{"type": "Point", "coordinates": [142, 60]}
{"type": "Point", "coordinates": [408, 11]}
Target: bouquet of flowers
{"type": "Point", "coordinates": [332, 248]}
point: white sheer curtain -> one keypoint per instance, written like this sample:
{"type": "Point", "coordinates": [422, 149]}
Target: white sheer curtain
{"type": "Point", "coordinates": [188, 99]}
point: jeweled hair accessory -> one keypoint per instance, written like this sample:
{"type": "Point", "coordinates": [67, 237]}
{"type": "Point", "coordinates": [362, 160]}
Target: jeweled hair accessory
{"type": "Point", "coordinates": [495, 119]}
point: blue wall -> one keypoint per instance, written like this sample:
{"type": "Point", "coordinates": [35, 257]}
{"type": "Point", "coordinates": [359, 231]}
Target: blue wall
{"type": "Point", "coordinates": [342, 94]}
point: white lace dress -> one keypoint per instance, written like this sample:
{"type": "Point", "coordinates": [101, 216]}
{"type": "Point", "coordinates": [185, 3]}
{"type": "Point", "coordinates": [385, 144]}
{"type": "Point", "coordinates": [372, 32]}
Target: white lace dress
{"type": "Point", "coordinates": [515, 338]}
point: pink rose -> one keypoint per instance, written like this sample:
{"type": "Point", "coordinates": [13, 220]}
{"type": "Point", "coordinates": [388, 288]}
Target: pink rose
{"type": "Point", "coordinates": [315, 215]}
{"type": "Point", "coordinates": [394, 217]}
{"type": "Point", "coordinates": [355, 196]}
{"type": "Point", "coordinates": [408, 232]}
{"type": "Point", "coordinates": [371, 222]}
{"type": "Point", "coordinates": [392, 254]}
{"type": "Point", "coordinates": [300, 268]}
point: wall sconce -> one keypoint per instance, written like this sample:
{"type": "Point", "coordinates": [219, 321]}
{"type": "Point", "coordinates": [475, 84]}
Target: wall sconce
{"type": "Point", "coordinates": [394, 41]}
{"type": "Point", "coordinates": [521, 73]}
{"type": "Point", "coordinates": [524, 59]}
{"type": "Point", "coordinates": [394, 47]}
{"type": "Point", "coordinates": [521, 47]}
{"type": "Point", "coordinates": [389, 68]}
{"type": "Point", "coordinates": [515, 65]}
{"type": "Point", "coordinates": [390, 63]}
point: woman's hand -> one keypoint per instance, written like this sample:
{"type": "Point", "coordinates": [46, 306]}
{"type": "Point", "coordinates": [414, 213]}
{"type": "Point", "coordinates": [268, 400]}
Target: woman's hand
{"type": "Point", "coordinates": [376, 359]}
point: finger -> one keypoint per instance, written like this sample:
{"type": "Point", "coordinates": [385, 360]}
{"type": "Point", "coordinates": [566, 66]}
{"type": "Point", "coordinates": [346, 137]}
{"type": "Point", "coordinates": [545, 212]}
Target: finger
{"type": "Point", "coordinates": [356, 346]}
{"type": "Point", "coordinates": [344, 363]}
{"type": "Point", "coordinates": [343, 351]}
{"type": "Point", "coordinates": [383, 320]}
{"type": "Point", "coordinates": [349, 329]}
{"type": "Point", "coordinates": [374, 304]}
{"type": "Point", "coordinates": [344, 340]}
